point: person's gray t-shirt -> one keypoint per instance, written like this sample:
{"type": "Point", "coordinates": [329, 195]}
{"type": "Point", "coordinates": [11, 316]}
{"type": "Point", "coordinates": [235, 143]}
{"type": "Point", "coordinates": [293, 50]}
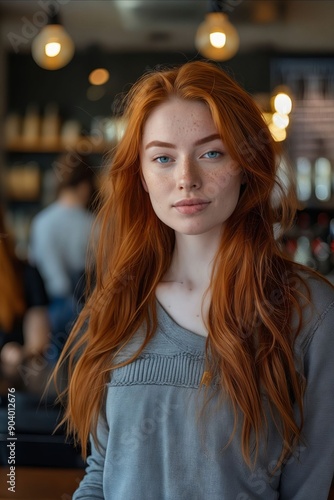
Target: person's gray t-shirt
{"type": "Point", "coordinates": [58, 246]}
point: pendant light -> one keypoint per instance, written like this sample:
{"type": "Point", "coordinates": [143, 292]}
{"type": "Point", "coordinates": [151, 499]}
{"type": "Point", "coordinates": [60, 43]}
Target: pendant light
{"type": "Point", "coordinates": [216, 38]}
{"type": "Point", "coordinates": [52, 48]}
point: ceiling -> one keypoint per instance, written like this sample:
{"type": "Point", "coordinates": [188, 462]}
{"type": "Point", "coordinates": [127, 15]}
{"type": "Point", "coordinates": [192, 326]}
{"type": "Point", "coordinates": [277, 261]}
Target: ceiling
{"type": "Point", "coordinates": [170, 25]}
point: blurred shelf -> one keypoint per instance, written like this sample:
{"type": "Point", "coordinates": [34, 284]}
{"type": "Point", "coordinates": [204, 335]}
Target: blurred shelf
{"type": "Point", "coordinates": [85, 146]}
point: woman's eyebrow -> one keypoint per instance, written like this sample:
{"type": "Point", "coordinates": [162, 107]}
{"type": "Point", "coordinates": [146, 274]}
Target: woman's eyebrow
{"type": "Point", "coordinates": [160, 144]}
{"type": "Point", "coordinates": [204, 140]}
{"type": "Point", "coordinates": [209, 138]}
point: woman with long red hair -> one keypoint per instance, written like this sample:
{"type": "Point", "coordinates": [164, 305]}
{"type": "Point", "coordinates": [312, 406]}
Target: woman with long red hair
{"type": "Point", "coordinates": [201, 366]}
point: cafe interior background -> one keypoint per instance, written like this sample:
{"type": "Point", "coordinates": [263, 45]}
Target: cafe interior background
{"type": "Point", "coordinates": [67, 101]}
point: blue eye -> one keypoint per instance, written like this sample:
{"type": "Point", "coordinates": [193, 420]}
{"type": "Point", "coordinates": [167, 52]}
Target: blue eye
{"type": "Point", "coordinates": [162, 159]}
{"type": "Point", "coordinates": [212, 154]}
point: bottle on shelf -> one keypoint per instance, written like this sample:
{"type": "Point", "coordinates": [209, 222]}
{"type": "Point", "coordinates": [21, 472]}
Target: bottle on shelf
{"type": "Point", "coordinates": [50, 126]}
{"type": "Point", "coordinates": [31, 125]}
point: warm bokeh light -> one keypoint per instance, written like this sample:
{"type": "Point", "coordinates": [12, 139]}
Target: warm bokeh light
{"type": "Point", "coordinates": [267, 117]}
{"type": "Point", "coordinates": [278, 134]}
{"type": "Point", "coordinates": [99, 76]}
{"type": "Point", "coordinates": [218, 39]}
{"type": "Point", "coordinates": [52, 49]}
{"type": "Point", "coordinates": [280, 121]}
{"type": "Point", "coordinates": [283, 103]}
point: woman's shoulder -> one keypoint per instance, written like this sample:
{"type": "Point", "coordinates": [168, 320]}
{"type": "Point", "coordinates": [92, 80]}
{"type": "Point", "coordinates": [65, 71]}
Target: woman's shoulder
{"type": "Point", "coordinates": [317, 309]}
{"type": "Point", "coordinates": [321, 291]}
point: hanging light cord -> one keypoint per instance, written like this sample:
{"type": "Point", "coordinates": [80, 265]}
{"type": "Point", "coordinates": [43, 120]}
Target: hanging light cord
{"type": "Point", "coordinates": [224, 6]}
{"type": "Point", "coordinates": [216, 5]}
{"type": "Point", "coordinates": [54, 17]}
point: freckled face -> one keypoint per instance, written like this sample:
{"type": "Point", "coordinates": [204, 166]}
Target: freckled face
{"type": "Point", "coordinates": [192, 182]}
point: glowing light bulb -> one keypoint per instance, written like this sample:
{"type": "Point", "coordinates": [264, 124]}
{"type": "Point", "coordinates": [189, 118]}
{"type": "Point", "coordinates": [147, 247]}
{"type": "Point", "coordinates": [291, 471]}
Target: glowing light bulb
{"type": "Point", "coordinates": [52, 49]}
{"type": "Point", "coordinates": [218, 39]}
{"type": "Point", "coordinates": [283, 103]}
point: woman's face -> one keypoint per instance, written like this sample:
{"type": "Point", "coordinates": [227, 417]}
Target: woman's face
{"type": "Point", "coordinates": [192, 181]}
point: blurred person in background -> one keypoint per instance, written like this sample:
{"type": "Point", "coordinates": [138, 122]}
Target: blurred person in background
{"type": "Point", "coordinates": [58, 242]}
{"type": "Point", "coordinates": [24, 325]}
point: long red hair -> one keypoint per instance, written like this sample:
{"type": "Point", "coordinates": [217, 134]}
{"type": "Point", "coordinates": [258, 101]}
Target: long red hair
{"type": "Point", "coordinates": [253, 287]}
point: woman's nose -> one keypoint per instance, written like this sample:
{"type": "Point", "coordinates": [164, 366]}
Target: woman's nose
{"type": "Point", "coordinates": [188, 175]}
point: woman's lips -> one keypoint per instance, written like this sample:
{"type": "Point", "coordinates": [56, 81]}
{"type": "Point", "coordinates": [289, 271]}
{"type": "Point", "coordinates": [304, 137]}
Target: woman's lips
{"type": "Point", "coordinates": [191, 207]}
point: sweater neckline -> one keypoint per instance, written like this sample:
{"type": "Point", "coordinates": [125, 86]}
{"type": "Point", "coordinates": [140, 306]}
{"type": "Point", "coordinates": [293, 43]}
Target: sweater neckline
{"type": "Point", "coordinates": [183, 338]}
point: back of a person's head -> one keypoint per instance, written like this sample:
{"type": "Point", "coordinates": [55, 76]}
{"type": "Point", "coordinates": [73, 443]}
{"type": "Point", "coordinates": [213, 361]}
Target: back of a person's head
{"type": "Point", "coordinates": [72, 170]}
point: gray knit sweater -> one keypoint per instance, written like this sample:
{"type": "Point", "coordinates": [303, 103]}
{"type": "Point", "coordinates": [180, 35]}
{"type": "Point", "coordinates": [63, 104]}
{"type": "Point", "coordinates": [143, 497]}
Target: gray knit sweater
{"type": "Point", "coordinates": [156, 445]}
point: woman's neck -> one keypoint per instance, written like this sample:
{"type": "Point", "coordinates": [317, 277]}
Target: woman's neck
{"type": "Point", "coordinates": [192, 260]}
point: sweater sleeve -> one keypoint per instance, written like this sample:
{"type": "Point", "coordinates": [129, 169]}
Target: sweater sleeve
{"type": "Point", "coordinates": [91, 486]}
{"type": "Point", "coordinates": [310, 473]}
